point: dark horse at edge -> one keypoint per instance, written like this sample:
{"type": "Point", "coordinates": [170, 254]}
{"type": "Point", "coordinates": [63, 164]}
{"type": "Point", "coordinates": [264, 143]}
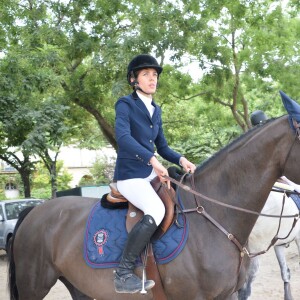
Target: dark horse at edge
{"type": "Point", "coordinates": [48, 243]}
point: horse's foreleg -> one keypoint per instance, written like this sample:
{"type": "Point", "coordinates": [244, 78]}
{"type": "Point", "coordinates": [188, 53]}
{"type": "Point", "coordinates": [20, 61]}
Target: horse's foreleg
{"type": "Point", "coordinates": [245, 292]}
{"type": "Point", "coordinates": [76, 294]}
{"type": "Point", "coordinates": [285, 271]}
{"type": "Point", "coordinates": [297, 240]}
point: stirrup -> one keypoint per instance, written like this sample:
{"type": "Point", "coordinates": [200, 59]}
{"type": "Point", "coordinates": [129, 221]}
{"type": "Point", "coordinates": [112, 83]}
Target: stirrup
{"type": "Point", "coordinates": [130, 283]}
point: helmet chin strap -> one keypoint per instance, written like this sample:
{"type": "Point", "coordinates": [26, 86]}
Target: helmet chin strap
{"type": "Point", "coordinates": [135, 84]}
{"type": "Point", "coordinates": [137, 88]}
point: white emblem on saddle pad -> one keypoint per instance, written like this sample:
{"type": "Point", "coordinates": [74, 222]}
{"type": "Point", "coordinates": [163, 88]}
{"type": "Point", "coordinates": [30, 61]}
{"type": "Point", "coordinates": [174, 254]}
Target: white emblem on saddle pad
{"type": "Point", "coordinates": [132, 214]}
{"type": "Point", "coordinates": [100, 238]}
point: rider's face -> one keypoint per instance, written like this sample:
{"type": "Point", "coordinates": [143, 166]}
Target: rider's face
{"type": "Point", "coordinates": [147, 80]}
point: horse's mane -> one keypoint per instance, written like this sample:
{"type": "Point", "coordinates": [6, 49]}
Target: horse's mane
{"type": "Point", "coordinates": [233, 143]}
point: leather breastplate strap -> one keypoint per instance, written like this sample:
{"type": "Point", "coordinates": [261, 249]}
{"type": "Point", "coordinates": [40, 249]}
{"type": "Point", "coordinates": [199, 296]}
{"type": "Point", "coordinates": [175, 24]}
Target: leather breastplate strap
{"type": "Point", "coordinates": [200, 209]}
{"type": "Point", "coordinates": [194, 192]}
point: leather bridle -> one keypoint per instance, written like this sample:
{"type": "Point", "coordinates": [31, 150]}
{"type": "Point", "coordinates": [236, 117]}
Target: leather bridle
{"type": "Point", "coordinates": [200, 209]}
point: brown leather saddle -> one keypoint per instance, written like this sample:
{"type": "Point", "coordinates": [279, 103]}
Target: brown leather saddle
{"type": "Point", "coordinates": [134, 214]}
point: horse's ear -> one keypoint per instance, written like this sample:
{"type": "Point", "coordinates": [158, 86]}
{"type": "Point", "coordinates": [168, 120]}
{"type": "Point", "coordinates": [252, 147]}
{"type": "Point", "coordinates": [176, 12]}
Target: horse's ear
{"type": "Point", "coordinates": [291, 106]}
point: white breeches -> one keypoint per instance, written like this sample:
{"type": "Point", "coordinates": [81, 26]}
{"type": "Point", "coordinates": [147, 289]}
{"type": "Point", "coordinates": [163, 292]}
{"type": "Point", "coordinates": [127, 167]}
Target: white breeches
{"type": "Point", "coordinates": [140, 193]}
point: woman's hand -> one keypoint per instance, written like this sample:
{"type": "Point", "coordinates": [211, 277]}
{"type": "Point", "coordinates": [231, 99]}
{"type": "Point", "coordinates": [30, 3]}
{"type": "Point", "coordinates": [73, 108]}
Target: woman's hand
{"type": "Point", "coordinates": [187, 165]}
{"type": "Point", "coordinates": [160, 170]}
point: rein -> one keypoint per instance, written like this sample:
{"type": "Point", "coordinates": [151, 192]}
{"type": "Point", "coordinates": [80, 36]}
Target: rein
{"type": "Point", "coordinates": [200, 210]}
{"type": "Point", "coordinates": [194, 192]}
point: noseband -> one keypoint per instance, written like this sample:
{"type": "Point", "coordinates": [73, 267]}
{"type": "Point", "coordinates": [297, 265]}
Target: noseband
{"type": "Point", "coordinates": [297, 128]}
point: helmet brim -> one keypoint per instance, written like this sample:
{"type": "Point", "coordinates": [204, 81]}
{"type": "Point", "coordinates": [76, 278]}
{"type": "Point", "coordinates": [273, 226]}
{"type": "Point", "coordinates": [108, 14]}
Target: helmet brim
{"type": "Point", "coordinates": [148, 66]}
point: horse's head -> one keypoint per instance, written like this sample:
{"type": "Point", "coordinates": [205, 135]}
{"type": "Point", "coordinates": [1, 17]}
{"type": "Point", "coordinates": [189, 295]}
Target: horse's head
{"type": "Point", "coordinates": [293, 109]}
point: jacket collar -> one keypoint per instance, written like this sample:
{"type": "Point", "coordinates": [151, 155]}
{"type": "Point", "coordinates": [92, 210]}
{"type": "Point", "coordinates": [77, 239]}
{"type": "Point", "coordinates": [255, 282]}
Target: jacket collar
{"type": "Point", "coordinates": [141, 104]}
{"type": "Point", "coordinates": [135, 96]}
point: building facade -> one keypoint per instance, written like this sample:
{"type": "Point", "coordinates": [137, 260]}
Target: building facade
{"type": "Point", "coordinates": [77, 162]}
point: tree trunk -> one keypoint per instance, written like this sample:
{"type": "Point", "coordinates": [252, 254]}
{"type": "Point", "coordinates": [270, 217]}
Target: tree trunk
{"type": "Point", "coordinates": [106, 128]}
{"type": "Point", "coordinates": [53, 179]}
{"type": "Point", "coordinates": [25, 175]}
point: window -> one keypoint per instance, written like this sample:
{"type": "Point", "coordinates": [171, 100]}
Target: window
{"type": "Point", "coordinates": [10, 186]}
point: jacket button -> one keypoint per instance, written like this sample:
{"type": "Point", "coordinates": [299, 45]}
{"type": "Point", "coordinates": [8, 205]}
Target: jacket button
{"type": "Point", "coordinates": [150, 141]}
{"type": "Point", "coordinates": [151, 126]}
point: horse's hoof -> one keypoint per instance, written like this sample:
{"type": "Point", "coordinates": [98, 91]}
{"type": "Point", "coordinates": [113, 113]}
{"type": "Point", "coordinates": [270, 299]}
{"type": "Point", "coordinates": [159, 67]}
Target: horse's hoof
{"type": "Point", "coordinates": [287, 291]}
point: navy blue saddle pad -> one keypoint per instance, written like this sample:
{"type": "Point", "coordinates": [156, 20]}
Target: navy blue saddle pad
{"type": "Point", "coordinates": [106, 234]}
{"type": "Point", "coordinates": [296, 199]}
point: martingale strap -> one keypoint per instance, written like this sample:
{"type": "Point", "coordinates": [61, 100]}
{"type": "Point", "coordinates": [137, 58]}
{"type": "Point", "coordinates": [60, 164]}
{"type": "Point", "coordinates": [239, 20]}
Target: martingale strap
{"type": "Point", "coordinates": [200, 209]}
{"type": "Point", "coordinates": [276, 237]}
{"type": "Point", "coordinates": [230, 236]}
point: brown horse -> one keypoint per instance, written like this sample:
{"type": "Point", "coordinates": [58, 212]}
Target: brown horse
{"type": "Point", "coordinates": [48, 244]}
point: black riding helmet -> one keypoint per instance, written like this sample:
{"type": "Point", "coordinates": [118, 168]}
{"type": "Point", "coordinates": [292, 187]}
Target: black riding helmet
{"type": "Point", "coordinates": [258, 117]}
{"type": "Point", "coordinates": [142, 61]}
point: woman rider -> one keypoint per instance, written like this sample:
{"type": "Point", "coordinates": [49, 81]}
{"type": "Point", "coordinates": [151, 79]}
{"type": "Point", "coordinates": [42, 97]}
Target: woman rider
{"type": "Point", "coordinates": [138, 127]}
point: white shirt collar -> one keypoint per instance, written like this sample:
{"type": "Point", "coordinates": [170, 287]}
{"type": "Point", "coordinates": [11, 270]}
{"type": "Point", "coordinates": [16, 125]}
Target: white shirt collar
{"type": "Point", "coordinates": [148, 102]}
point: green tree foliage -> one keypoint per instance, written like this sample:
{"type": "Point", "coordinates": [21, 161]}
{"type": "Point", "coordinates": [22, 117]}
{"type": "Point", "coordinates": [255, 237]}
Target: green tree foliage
{"type": "Point", "coordinates": [35, 119]}
{"type": "Point", "coordinates": [83, 46]}
{"type": "Point", "coordinates": [15, 122]}
{"type": "Point", "coordinates": [41, 180]}
{"type": "Point", "coordinates": [76, 53]}
{"type": "Point", "coordinates": [101, 172]}
{"type": "Point", "coordinates": [247, 51]}
{"type": "Point", "coordinates": [31, 125]}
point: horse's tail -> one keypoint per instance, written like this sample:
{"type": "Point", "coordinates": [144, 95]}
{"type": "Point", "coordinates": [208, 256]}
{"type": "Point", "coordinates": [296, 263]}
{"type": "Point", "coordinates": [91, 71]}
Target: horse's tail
{"type": "Point", "coordinates": [13, 290]}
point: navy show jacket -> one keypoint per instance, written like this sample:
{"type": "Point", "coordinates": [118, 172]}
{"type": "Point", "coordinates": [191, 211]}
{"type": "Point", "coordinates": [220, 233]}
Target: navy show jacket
{"type": "Point", "coordinates": [137, 135]}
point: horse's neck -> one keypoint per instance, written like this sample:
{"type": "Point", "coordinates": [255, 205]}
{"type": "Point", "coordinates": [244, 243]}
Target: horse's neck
{"type": "Point", "coordinates": [242, 175]}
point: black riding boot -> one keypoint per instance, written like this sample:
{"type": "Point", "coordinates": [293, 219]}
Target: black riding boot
{"type": "Point", "coordinates": [125, 280]}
